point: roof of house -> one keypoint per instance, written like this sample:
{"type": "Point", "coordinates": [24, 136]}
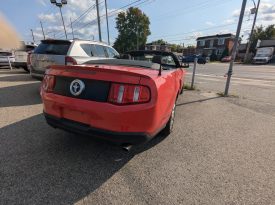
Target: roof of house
{"type": "Point", "coordinates": [155, 44]}
{"type": "Point", "coordinates": [230, 35]}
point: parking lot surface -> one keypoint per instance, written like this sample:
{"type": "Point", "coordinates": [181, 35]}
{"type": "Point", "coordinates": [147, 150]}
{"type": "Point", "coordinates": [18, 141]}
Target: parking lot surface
{"type": "Point", "coordinates": [221, 151]}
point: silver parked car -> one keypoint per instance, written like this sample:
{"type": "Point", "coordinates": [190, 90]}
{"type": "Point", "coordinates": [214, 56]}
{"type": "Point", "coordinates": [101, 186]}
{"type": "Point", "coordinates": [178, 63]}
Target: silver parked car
{"type": "Point", "coordinates": [67, 52]}
{"type": "Point", "coordinates": [5, 57]}
{"type": "Point", "coordinates": [21, 56]}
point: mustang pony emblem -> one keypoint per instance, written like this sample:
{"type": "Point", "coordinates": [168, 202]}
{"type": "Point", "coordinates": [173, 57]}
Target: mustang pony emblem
{"type": "Point", "coordinates": [77, 86]}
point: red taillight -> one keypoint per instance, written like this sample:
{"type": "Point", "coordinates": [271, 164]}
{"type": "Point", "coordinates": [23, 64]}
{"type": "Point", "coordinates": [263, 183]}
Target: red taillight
{"type": "Point", "coordinates": [48, 83]}
{"type": "Point", "coordinates": [29, 58]}
{"type": "Point", "coordinates": [70, 61]}
{"type": "Point", "coordinates": [122, 94]}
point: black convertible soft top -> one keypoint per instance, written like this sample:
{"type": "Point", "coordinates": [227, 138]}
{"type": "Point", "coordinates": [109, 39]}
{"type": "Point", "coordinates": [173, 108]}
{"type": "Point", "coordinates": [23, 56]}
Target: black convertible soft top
{"type": "Point", "coordinates": [124, 62]}
{"type": "Point", "coordinates": [159, 53]}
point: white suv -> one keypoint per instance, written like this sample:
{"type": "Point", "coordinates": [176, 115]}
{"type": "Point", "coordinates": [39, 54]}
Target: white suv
{"type": "Point", "coordinates": [66, 52]}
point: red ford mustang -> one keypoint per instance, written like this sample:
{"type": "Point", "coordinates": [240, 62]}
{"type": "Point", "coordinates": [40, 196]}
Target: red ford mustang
{"type": "Point", "coordinates": [123, 101]}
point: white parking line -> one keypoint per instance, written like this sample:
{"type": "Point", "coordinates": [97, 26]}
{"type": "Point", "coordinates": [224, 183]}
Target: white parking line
{"type": "Point", "coordinates": [236, 80]}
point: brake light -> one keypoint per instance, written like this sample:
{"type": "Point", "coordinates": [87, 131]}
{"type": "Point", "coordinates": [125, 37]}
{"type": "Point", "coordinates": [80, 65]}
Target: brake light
{"type": "Point", "coordinates": [29, 59]}
{"type": "Point", "coordinates": [48, 83]}
{"type": "Point", "coordinates": [122, 94]}
{"type": "Point", "coordinates": [70, 61]}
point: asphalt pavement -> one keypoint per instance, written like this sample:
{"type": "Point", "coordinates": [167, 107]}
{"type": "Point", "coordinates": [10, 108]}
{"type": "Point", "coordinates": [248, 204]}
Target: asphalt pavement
{"type": "Point", "coordinates": [221, 150]}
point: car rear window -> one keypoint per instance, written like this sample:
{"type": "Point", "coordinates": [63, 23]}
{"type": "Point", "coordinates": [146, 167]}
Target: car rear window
{"type": "Point", "coordinates": [53, 47]}
{"type": "Point", "coordinates": [111, 52]}
{"type": "Point", "coordinates": [100, 51]}
{"type": "Point", "coordinates": [89, 49]}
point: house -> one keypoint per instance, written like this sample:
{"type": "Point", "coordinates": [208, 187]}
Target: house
{"type": "Point", "coordinates": [206, 45]}
{"type": "Point", "coordinates": [158, 47]}
{"type": "Point", "coordinates": [189, 51]}
{"type": "Point", "coordinates": [267, 43]}
{"type": "Point", "coordinates": [241, 52]}
{"type": "Point", "coordinates": [260, 44]}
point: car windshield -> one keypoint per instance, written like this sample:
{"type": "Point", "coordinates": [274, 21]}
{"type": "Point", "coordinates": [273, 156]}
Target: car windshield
{"type": "Point", "coordinates": [168, 60]}
{"type": "Point", "coordinates": [261, 55]}
{"type": "Point", "coordinates": [53, 47]}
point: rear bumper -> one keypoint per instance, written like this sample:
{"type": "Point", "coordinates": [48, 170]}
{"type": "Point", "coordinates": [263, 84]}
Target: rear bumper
{"type": "Point", "coordinates": [20, 64]}
{"type": "Point", "coordinates": [36, 74]}
{"type": "Point", "coordinates": [4, 63]}
{"type": "Point", "coordinates": [84, 129]}
{"type": "Point", "coordinates": [123, 124]}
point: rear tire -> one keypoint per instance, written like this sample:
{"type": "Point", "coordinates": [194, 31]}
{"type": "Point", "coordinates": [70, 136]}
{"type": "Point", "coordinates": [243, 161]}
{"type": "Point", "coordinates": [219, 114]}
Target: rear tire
{"type": "Point", "coordinates": [26, 69]}
{"type": "Point", "coordinates": [170, 124]}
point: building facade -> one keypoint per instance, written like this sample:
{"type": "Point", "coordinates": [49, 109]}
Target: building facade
{"type": "Point", "coordinates": [157, 47]}
{"type": "Point", "coordinates": [206, 45]}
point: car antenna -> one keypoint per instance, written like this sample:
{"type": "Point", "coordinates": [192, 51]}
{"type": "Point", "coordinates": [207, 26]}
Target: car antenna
{"type": "Point", "coordinates": [160, 66]}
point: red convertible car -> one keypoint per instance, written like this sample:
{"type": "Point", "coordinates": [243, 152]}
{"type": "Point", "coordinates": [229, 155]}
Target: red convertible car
{"type": "Point", "coordinates": [126, 101]}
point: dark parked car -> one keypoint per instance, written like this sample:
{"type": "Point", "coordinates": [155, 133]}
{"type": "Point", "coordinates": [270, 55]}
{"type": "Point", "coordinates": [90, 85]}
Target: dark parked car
{"type": "Point", "coordinates": [191, 59]}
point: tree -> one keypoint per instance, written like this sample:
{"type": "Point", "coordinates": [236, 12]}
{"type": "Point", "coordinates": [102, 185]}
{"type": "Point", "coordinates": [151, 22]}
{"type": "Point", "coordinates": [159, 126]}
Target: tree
{"type": "Point", "coordinates": [261, 33]}
{"type": "Point", "coordinates": [159, 42]}
{"type": "Point", "coordinates": [133, 30]}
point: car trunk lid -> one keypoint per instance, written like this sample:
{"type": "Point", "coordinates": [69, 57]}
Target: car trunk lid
{"type": "Point", "coordinates": [97, 79]}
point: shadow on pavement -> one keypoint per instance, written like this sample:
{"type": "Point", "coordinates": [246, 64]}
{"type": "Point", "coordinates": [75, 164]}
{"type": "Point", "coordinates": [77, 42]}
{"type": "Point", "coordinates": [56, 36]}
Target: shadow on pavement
{"type": "Point", "coordinates": [14, 71]}
{"type": "Point", "coordinates": [16, 78]}
{"type": "Point", "coordinates": [19, 95]}
{"type": "Point", "coordinates": [196, 101]}
{"type": "Point", "coordinates": [41, 165]}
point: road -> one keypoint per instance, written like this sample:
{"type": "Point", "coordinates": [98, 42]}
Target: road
{"type": "Point", "coordinates": [221, 152]}
{"type": "Point", "coordinates": [253, 85]}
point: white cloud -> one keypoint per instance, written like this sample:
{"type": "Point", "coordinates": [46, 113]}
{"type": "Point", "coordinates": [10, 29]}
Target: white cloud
{"type": "Point", "coordinates": [229, 21]}
{"type": "Point", "coordinates": [85, 28]}
{"type": "Point", "coordinates": [42, 2]}
{"type": "Point", "coordinates": [209, 23]}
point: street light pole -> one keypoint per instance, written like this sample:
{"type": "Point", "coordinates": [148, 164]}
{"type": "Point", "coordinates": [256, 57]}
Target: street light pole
{"type": "Point", "coordinates": [98, 21]}
{"type": "Point", "coordinates": [107, 21]}
{"type": "Point", "coordinates": [60, 5]}
{"type": "Point", "coordinates": [234, 51]}
{"type": "Point", "coordinates": [251, 33]}
{"type": "Point", "coordinates": [63, 2]}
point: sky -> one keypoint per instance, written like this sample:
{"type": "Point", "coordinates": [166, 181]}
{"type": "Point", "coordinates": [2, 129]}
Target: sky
{"type": "Point", "coordinates": [175, 21]}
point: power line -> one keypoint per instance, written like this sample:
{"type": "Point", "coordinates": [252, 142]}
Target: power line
{"type": "Point", "coordinates": [112, 13]}
{"type": "Point", "coordinates": [78, 18]}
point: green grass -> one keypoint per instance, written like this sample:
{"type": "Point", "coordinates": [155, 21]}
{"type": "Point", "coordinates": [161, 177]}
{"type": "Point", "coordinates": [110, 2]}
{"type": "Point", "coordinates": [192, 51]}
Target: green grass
{"type": "Point", "coordinates": [221, 94]}
{"type": "Point", "coordinates": [188, 87]}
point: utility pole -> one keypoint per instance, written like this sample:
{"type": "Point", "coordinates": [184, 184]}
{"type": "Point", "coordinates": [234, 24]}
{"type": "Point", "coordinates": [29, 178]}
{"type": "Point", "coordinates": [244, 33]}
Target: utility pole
{"type": "Point", "coordinates": [194, 73]}
{"type": "Point", "coordinates": [251, 33]}
{"type": "Point", "coordinates": [234, 51]}
{"type": "Point", "coordinates": [137, 39]}
{"type": "Point", "coordinates": [107, 20]}
{"type": "Point", "coordinates": [72, 28]}
{"type": "Point", "coordinates": [98, 21]}
{"type": "Point", "coordinates": [32, 36]}
{"type": "Point", "coordinates": [42, 29]}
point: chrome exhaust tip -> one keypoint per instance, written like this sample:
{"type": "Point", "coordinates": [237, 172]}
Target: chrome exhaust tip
{"type": "Point", "coordinates": [127, 147]}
